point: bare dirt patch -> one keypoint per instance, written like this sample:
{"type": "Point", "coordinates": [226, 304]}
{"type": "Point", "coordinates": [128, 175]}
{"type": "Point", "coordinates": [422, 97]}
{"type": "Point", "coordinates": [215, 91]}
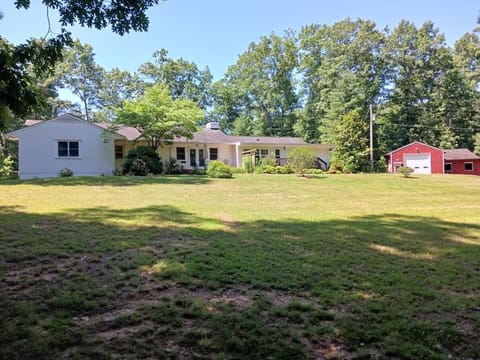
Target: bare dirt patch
{"type": "Point", "coordinates": [228, 220]}
{"type": "Point", "coordinates": [120, 333]}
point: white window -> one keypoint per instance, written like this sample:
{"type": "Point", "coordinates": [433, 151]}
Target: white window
{"type": "Point", "coordinates": [181, 154]}
{"type": "Point", "coordinates": [68, 149]}
{"type": "Point", "coordinates": [213, 153]}
{"type": "Point", "coordinates": [261, 153]}
{"type": "Point", "coordinates": [468, 166]}
{"type": "Point", "coordinates": [118, 152]}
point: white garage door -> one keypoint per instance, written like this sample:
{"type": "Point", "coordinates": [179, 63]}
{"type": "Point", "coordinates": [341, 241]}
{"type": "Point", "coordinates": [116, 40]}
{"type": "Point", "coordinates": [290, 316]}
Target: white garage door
{"type": "Point", "coordinates": [421, 163]}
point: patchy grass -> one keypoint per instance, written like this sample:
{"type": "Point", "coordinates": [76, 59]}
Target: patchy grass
{"type": "Point", "coordinates": [276, 267]}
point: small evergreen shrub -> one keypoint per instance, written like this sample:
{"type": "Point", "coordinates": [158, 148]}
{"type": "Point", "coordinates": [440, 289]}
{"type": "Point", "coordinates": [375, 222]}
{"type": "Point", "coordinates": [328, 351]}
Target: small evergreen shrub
{"type": "Point", "coordinates": [381, 165]}
{"type": "Point", "coordinates": [217, 169]}
{"type": "Point", "coordinates": [171, 167]}
{"type": "Point", "coordinates": [6, 167]}
{"type": "Point", "coordinates": [142, 161]}
{"type": "Point", "coordinates": [66, 172]}
{"type": "Point", "coordinates": [406, 171]}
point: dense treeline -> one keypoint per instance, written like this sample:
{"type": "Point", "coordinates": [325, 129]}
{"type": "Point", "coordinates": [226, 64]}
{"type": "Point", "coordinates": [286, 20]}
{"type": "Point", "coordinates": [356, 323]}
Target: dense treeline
{"type": "Point", "coordinates": [317, 83]}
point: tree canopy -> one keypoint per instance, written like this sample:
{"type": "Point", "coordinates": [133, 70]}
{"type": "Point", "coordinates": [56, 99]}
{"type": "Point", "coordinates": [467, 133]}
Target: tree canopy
{"type": "Point", "coordinates": [183, 78]}
{"type": "Point", "coordinates": [18, 92]}
{"type": "Point", "coordinates": [159, 117]}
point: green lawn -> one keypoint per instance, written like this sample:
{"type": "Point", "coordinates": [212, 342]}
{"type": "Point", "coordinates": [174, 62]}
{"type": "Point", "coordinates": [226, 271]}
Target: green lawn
{"type": "Point", "coordinates": [280, 267]}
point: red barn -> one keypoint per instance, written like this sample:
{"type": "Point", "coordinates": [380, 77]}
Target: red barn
{"type": "Point", "coordinates": [426, 159]}
{"type": "Point", "coordinates": [461, 161]}
{"type": "Point", "coordinates": [422, 158]}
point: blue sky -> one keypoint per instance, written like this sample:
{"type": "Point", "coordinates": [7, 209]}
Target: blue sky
{"type": "Point", "coordinates": [214, 32]}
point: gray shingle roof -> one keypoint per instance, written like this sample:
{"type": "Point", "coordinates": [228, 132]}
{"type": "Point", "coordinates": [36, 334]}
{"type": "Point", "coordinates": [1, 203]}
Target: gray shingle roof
{"type": "Point", "coordinates": [209, 136]}
{"type": "Point", "coordinates": [130, 133]}
{"type": "Point", "coordinates": [459, 154]}
{"type": "Point", "coordinates": [218, 137]}
{"type": "Point", "coordinates": [267, 140]}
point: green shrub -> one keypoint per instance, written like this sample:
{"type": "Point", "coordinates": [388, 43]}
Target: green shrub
{"type": "Point", "coordinates": [301, 159]}
{"type": "Point", "coordinates": [288, 169]}
{"type": "Point", "coordinates": [265, 169]}
{"type": "Point", "coordinates": [274, 169]}
{"type": "Point", "coordinates": [236, 170]}
{"type": "Point", "coordinates": [248, 166]}
{"type": "Point", "coordinates": [142, 161]}
{"type": "Point", "coordinates": [199, 172]}
{"type": "Point", "coordinates": [406, 171]}
{"type": "Point", "coordinates": [314, 171]}
{"type": "Point", "coordinates": [217, 169]}
{"type": "Point", "coordinates": [66, 172]}
{"type": "Point", "coordinates": [381, 165]}
{"type": "Point", "coordinates": [268, 161]}
{"type": "Point", "coordinates": [6, 167]}
{"type": "Point", "coordinates": [171, 167]}
{"type": "Point", "coordinates": [336, 167]}
{"type": "Point", "coordinates": [283, 169]}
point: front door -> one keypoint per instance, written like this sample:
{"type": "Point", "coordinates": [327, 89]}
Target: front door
{"type": "Point", "coordinates": [201, 158]}
{"type": "Point", "coordinates": [193, 158]}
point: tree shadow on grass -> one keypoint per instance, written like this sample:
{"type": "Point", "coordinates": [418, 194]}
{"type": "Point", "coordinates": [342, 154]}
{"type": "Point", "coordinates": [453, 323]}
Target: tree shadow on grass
{"type": "Point", "coordinates": [112, 180]}
{"type": "Point", "coordinates": [395, 285]}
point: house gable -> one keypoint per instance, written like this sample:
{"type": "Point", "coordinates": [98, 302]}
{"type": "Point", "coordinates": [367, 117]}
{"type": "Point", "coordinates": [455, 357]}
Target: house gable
{"type": "Point", "coordinates": [67, 141]}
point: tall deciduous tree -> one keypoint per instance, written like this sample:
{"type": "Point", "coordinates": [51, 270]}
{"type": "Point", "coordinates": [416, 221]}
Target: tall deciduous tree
{"type": "Point", "coordinates": [467, 61]}
{"type": "Point", "coordinates": [159, 117]}
{"type": "Point", "coordinates": [115, 87]}
{"type": "Point", "coordinates": [183, 78]}
{"type": "Point", "coordinates": [418, 71]}
{"type": "Point", "coordinates": [81, 75]}
{"type": "Point", "coordinates": [17, 92]}
{"type": "Point", "coordinates": [342, 70]}
{"type": "Point", "coordinates": [229, 108]}
{"type": "Point", "coordinates": [261, 88]}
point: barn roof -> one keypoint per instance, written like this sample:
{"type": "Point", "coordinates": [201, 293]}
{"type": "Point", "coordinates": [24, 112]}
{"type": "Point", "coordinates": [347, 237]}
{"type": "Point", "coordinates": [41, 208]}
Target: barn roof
{"type": "Point", "coordinates": [459, 154]}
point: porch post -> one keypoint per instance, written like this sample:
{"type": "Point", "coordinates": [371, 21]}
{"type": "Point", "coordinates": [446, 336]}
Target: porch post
{"type": "Point", "coordinates": [237, 155]}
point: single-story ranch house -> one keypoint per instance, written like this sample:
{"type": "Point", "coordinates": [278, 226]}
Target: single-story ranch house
{"type": "Point", "coordinates": [67, 141]}
{"type": "Point", "coordinates": [426, 159]}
